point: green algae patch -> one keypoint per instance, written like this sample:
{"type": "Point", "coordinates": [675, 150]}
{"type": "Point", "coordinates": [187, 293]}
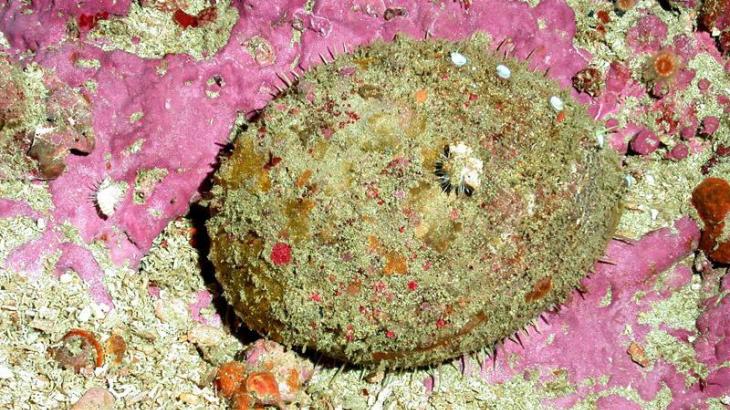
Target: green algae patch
{"type": "Point", "coordinates": [21, 114]}
{"type": "Point", "coordinates": [661, 401]}
{"type": "Point", "coordinates": [660, 193]}
{"type": "Point", "coordinates": [145, 183]}
{"type": "Point", "coordinates": [153, 30]}
{"type": "Point", "coordinates": [16, 232]}
{"type": "Point", "coordinates": [661, 345]}
{"type": "Point", "coordinates": [680, 311]}
{"type": "Point", "coordinates": [162, 355]}
{"type": "Point", "coordinates": [400, 207]}
{"type": "Point", "coordinates": [36, 195]}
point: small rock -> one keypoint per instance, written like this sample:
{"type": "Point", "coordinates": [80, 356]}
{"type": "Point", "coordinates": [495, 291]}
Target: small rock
{"type": "Point", "coordinates": [679, 152]}
{"type": "Point", "coordinates": [687, 133]}
{"type": "Point", "coordinates": [637, 354]}
{"type": "Point", "coordinates": [96, 398]}
{"type": "Point", "coordinates": [589, 81]}
{"type": "Point", "coordinates": [375, 377]}
{"type": "Point", "coordinates": [205, 335]}
{"type": "Point", "coordinates": [291, 371]}
{"type": "Point", "coordinates": [84, 315]}
{"type": "Point", "coordinates": [189, 398]}
{"type": "Point", "coordinates": [169, 311]}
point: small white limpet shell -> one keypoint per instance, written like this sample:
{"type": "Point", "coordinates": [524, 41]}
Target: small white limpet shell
{"type": "Point", "coordinates": [458, 59]}
{"type": "Point", "coordinates": [108, 196]}
{"type": "Point", "coordinates": [630, 181]}
{"type": "Point", "coordinates": [503, 72]}
{"type": "Point", "coordinates": [557, 103]}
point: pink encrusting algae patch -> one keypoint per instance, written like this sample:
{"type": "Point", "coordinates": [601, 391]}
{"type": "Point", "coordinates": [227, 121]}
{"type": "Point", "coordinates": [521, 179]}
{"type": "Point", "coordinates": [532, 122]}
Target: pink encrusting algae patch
{"type": "Point", "coordinates": [569, 341]}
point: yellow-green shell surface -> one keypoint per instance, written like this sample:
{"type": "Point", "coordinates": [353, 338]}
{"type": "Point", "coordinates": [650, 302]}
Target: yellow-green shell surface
{"type": "Point", "coordinates": [396, 208]}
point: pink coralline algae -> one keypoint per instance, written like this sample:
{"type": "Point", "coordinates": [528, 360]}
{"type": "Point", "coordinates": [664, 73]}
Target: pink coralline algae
{"type": "Point", "coordinates": [710, 124]}
{"type": "Point", "coordinates": [169, 116]}
{"type": "Point", "coordinates": [645, 142]}
{"type": "Point", "coordinates": [568, 344]}
{"type": "Point", "coordinates": [648, 34]}
{"type": "Point", "coordinates": [679, 152]}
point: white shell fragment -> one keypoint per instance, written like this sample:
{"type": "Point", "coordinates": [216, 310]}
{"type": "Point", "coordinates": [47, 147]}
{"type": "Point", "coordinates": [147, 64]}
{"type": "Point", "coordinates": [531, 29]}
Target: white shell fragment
{"type": "Point", "coordinates": [503, 72]}
{"type": "Point", "coordinates": [458, 59]}
{"type": "Point", "coordinates": [557, 103]}
{"type": "Point", "coordinates": [600, 139]}
{"type": "Point", "coordinates": [5, 373]}
{"type": "Point", "coordinates": [109, 195]}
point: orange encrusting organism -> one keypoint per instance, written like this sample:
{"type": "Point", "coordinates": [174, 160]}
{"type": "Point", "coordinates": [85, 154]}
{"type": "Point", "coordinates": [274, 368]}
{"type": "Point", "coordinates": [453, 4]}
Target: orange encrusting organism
{"type": "Point", "coordinates": [263, 387]}
{"type": "Point", "coordinates": [230, 378]}
{"type": "Point", "coordinates": [421, 96]}
{"type": "Point", "coordinates": [116, 347]}
{"type": "Point", "coordinates": [89, 338]}
{"type": "Point", "coordinates": [711, 198]}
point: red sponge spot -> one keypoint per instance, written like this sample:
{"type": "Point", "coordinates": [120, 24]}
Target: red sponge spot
{"type": "Point", "coordinates": [281, 254]}
{"type": "Point", "coordinates": [184, 19]}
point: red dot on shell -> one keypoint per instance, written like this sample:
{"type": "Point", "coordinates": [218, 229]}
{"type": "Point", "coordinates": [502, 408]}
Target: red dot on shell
{"type": "Point", "coordinates": [412, 285]}
{"type": "Point", "coordinates": [280, 254]}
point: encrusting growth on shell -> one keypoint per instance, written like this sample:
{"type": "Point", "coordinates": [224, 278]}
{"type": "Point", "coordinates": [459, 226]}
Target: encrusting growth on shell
{"type": "Point", "coordinates": [409, 219]}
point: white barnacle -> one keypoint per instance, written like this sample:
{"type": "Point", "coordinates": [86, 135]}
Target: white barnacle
{"type": "Point", "coordinates": [471, 170]}
{"type": "Point", "coordinates": [459, 170]}
{"type": "Point", "coordinates": [557, 103]}
{"type": "Point", "coordinates": [109, 195]}
{"type": "Point", "coordinates": [503, 72]}
{"type": "Point", "coordinates": [458, 59]}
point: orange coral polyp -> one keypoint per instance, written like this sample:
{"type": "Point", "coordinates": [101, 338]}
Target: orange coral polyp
{"type": "Point", "coordinates": [665, 64]}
